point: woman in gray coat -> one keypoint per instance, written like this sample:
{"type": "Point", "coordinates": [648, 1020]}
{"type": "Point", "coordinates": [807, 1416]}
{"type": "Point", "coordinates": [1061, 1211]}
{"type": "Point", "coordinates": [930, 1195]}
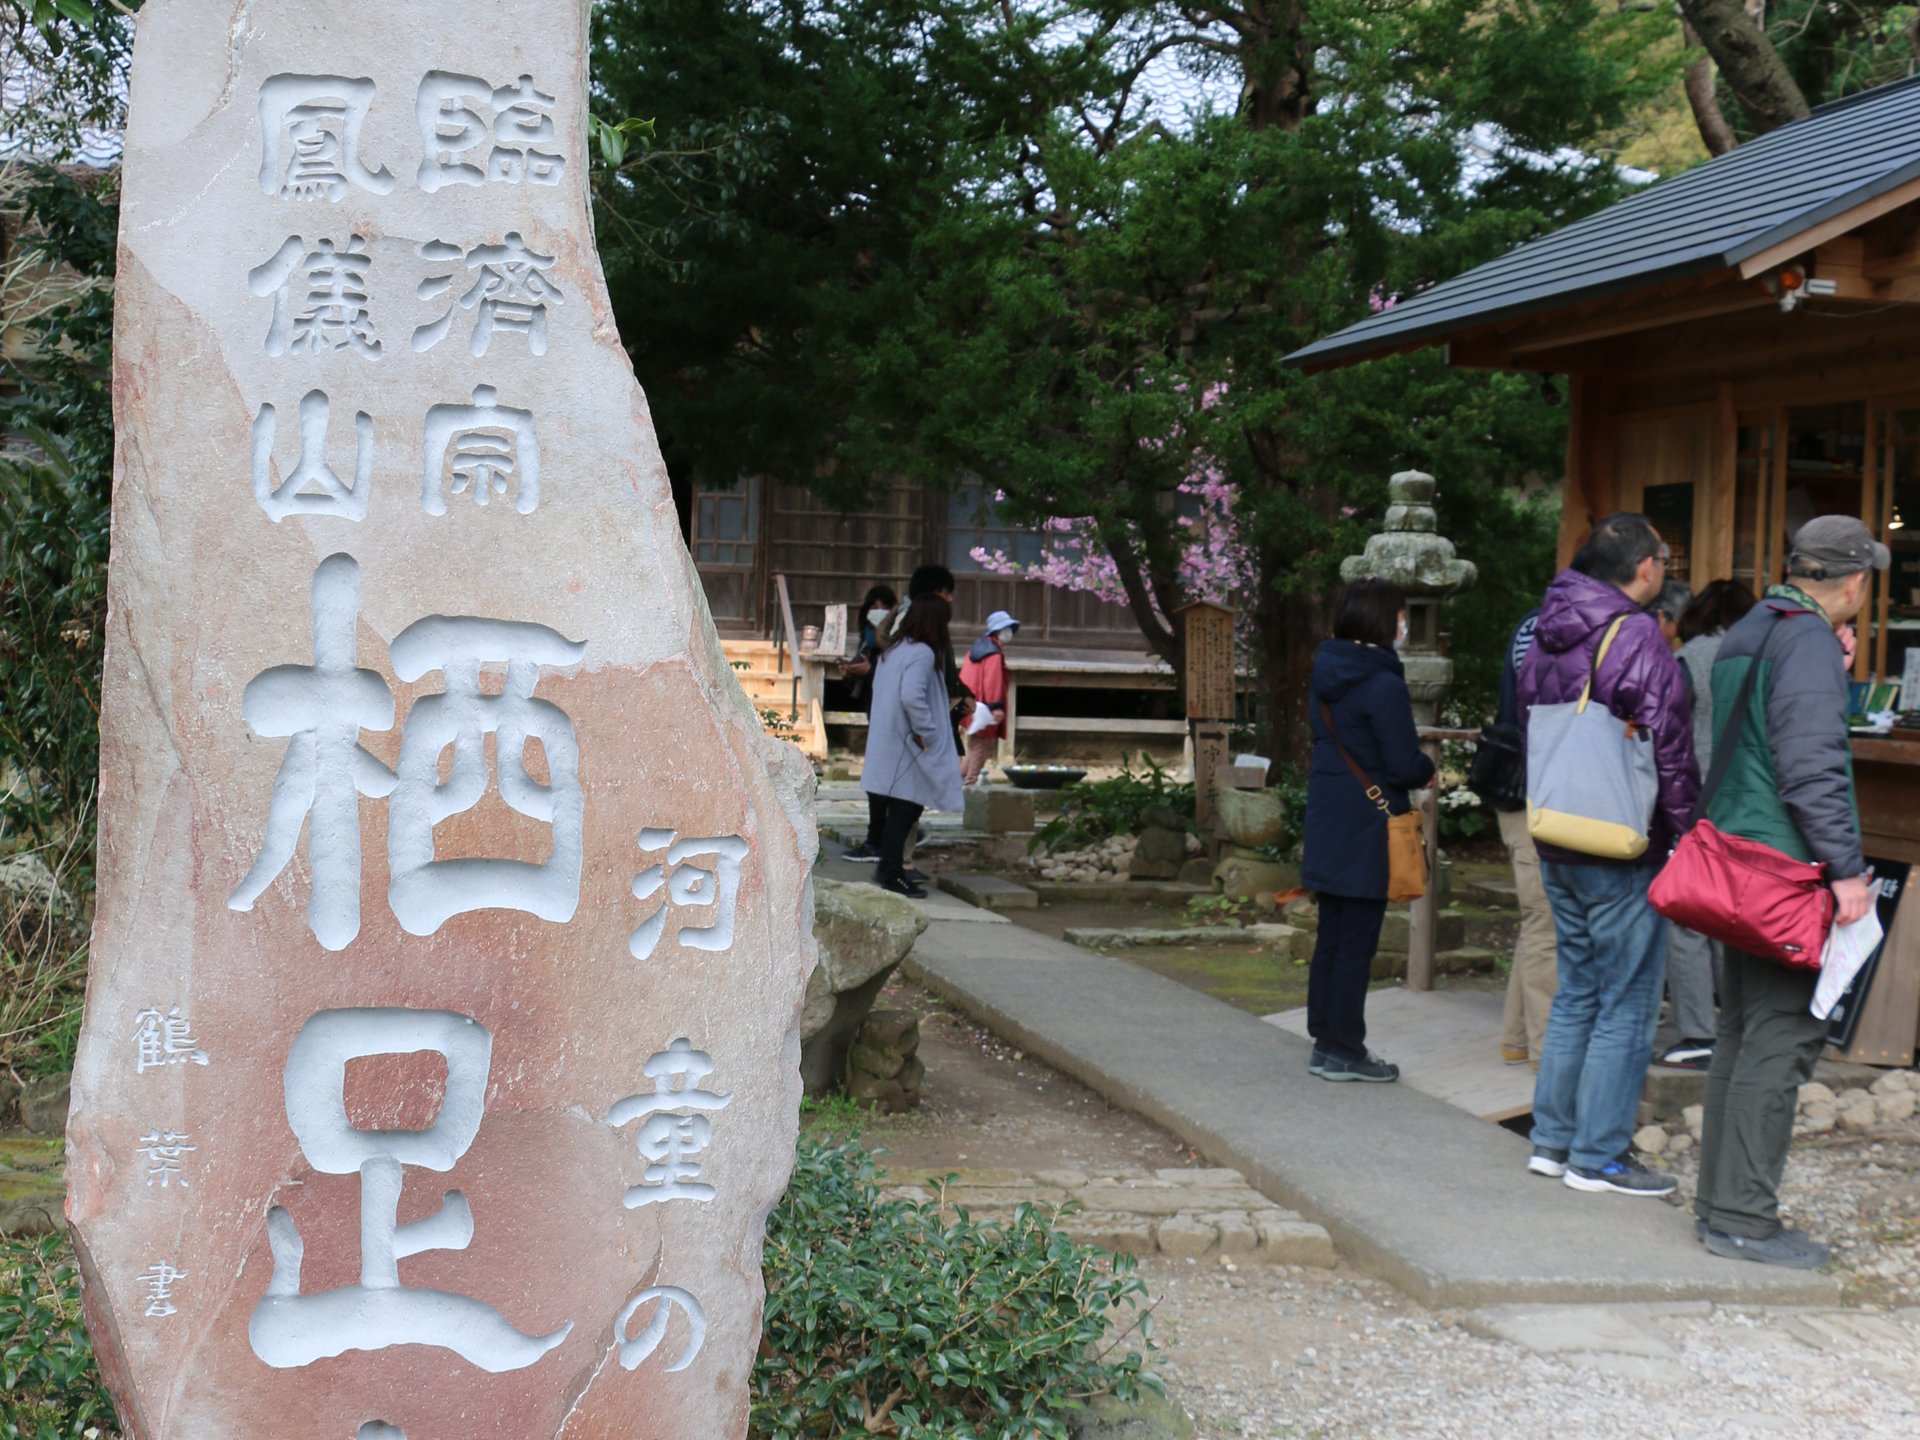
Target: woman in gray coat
{"type": "Point", "coordinates": [912, 765]}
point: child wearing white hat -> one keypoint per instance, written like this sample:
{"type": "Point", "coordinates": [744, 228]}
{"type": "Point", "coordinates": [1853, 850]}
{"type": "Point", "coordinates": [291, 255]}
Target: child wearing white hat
{"type": "Point", "coordinates": [984, 673]}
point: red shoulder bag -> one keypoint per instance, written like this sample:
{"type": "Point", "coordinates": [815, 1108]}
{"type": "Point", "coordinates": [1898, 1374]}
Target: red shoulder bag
{"type": "Point", "coordinates": [1741, 892]}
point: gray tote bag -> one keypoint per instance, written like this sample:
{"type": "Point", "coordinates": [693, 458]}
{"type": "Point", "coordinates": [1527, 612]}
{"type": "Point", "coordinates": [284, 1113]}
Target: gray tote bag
{"type": "Point", "coordinates": [1591, 777]}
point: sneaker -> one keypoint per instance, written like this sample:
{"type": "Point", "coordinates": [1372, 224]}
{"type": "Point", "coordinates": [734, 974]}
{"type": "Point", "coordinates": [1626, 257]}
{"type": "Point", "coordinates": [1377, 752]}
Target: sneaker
{"type": "Point", "coordinates": [1317, 1062]}
{"type": "Point", "coordinates": [1688, 1055]}
{"type": "Point", "coordinates": [1373, 1069]}
{"type": "Point", "coordinates": [919, 877]}
{"type": "Point", "coordinates": [901, 885]}
{"type": "Point", "coordinates": [1622, 1177]}
{"type": "Point", "coordinates": [1513, 1054]}
{"type": "Point", "coordinates": [861, 854]}
{"type": "Point", "coordinates": [1547, 1161]}
{"type": "Point", "coordinates": [1791, 1249]}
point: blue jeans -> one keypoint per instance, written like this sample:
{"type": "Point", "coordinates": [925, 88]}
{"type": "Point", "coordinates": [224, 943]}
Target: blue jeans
{"type": "Point", "coordinates": [1613, 954]}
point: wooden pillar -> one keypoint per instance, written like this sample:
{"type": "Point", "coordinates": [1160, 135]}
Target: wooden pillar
{"type": "Point", "coordinates": [1590, 492]}
{"type": "Point", "coordinates": [1005, 752]}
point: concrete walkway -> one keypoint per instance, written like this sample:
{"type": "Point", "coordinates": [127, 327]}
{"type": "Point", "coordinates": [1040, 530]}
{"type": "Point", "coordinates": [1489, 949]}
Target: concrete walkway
{"type": "Point", "coordinates": [1412, 1189]}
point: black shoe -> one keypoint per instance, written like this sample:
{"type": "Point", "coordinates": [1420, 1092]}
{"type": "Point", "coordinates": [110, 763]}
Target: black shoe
{"type": "Point", "coordinates": [1790, 1249]}
{"type": "Point", "coordinates": [1622, 1177]}
{"type": "Point", "coordinates": [901, 885]}
{"type": "Point", "coordinates": [861, 854]}
{"type": "Point", "coordinates": [1317, 1062]}
{"type": "Point", "coordinates": [919, 877]}
{"type": "Point", "coordinates": [1547, 1161]}
{"type": "Point", "coordinates": [1372, 1069]}
{"type": "Point", "coordinates": [1688, 1055]}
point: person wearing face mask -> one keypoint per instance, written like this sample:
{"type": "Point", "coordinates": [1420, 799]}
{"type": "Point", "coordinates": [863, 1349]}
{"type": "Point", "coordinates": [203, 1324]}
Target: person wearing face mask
{"type": "Point", "coordinates": [984, 674]}
{"type": "Point", "coordinates": [874, 610]}
{"type": "Point", "coordinates": [1357, 704]}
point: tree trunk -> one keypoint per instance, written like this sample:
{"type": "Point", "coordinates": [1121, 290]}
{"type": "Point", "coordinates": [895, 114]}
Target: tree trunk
{"type": "Point", "coordinates": [1752, 67]}
{"type": "Point", "coordinates": [1714, 131]}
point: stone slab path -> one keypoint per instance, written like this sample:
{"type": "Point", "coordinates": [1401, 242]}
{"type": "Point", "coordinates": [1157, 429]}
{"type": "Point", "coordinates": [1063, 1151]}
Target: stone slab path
{"type": "Point", "coordinates": [1418, 1192]}
{"type": "Point", "coordinates": [1447, 1045]}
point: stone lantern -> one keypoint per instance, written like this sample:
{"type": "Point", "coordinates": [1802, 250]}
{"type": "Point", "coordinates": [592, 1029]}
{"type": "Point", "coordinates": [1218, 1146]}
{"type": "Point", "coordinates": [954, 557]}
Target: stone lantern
{"type": "Point", "coordinates": [1411, 553]}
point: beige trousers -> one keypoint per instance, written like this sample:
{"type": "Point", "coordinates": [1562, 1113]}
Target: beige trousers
{"type": "Point", "coordinates": [980, 752]}
{"type": "Point", "coordinates": [1536, 961]}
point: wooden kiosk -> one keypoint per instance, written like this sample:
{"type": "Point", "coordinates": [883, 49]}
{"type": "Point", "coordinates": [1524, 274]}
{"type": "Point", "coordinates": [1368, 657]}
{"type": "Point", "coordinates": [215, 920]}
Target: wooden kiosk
{"type": "Point", "coordinates": [1742, 347]}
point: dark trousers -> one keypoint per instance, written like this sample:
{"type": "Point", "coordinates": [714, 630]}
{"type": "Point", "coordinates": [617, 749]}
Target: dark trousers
{"type": "Point", "coordinates": [1342, 965]}
{"type": "Point", "coordinates": [1765, 1051]}
{"type": "Point", "coordinates": [901, 817]}
{"type": "Point", "coordinates": [876, 818]}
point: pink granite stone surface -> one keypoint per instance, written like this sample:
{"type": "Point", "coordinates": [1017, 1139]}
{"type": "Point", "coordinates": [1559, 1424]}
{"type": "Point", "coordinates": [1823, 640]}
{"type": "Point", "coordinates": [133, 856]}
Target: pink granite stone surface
{"type": "Point", "coordinates": [373, 968]}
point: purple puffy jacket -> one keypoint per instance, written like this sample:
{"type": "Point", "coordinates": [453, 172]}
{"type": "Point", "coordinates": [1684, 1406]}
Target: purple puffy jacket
{"type": "Point", "coordinates": [1640, 681]}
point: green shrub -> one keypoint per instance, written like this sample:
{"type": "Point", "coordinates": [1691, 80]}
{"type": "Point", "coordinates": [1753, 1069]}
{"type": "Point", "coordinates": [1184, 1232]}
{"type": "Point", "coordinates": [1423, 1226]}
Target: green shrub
{"type": "Point", "coordinates": [49, 1389]}
{"type": "Point", "coordinates": [885, 1318]}
{"type": "Point", "coordinates": [1092, 810]}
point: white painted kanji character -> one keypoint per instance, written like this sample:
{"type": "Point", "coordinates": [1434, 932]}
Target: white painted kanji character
{"type": "Point", "coordinates": [312, 486]}
{"type": "Point", "coordinates": [322, 708]}
{"type": "Point", "coordinates": [676, 1127]}
{"type": "Point", "coordinates": [319, 295]}
{"type": "Point", "coordinates": [165, 1151]}
{"type": "Point", "coordinates": [715, 887]}
{"type": "Point", "coordinates": [478, 450]}
{"type": "Point", "coordinates": [511, 291]}
{"type": "Point", "coordinates": [290, 1329]}
{"type": "Point", "coordinates": [310, 137]}
{"type": "Point", "coordinates": [523, 120]}
{"type": "Point", "coordinates": [426, 892]}
{"type": "Point", "coordinates": [160, 1278]}
{"type": "Point", "coordinates": [455, 114]}
{"type": "Point", "coordinates": [164, 1039]}
{"type": "Point", "coordinates": [635, 1349]}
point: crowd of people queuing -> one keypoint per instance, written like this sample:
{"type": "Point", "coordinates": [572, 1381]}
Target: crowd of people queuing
{"type": "Point", "coordinates": [1593, 954]}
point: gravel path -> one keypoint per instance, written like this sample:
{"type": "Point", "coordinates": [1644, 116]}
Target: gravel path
{"type": "Point", "coordinates": [1332, 1354]}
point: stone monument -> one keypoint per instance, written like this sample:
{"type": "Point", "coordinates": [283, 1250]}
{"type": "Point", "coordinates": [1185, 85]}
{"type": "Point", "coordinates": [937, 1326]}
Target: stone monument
{"type": "Point", "coordinates": [441, 1052]}
{"type": "Point", "coordinates": [1410, 551]}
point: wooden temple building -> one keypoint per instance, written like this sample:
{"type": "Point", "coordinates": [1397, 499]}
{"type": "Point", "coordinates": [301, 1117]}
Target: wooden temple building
{"type": "Point", "coordinates": [1741, 352]}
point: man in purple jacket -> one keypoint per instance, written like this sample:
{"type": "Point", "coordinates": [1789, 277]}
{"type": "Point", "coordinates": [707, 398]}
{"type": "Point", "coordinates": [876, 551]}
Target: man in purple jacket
{"type": "Point", "coordinates": [1612, 942]}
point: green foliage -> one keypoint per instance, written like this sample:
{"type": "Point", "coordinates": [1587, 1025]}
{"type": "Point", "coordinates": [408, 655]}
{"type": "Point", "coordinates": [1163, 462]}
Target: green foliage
{"type": "Point", "coordinates": [49, 1388]}
{"type": "Point", "coordinates": [1463, 815]}
{"type": "Point", "coordinates": [54, 510]}
{"type": "Point", "coordinates": [886, 1317]}
{"type": "Point", "coordinates": [1092, 810]}
{"type": "Point", "coordinates": [1220, 909]}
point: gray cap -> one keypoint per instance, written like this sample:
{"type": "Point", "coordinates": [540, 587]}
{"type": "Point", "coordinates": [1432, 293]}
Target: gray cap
{"type": "Point", "coordinates": [1839, 545]}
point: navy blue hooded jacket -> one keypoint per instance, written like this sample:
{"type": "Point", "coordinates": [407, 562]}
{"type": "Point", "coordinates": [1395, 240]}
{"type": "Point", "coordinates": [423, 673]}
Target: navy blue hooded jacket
{"type": "Point", "coordinates": [1346, 835]}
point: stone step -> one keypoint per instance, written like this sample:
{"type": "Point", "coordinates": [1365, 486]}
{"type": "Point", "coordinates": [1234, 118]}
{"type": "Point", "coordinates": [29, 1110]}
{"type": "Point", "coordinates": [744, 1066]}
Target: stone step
{"type": "Point", "coordinates": [1095, 937]}
{"type": "Point", "coordinates": [989, 892]}
{"type": "Point", "coordinates": [1450, 932]}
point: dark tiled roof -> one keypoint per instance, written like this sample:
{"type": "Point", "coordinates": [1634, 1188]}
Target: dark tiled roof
{"type": "Point", "coordinates": [1709, 218]}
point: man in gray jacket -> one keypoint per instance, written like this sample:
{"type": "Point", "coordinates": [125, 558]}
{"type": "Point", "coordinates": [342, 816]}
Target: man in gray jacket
{"type": "Point", "coordinates": [1788, 781]}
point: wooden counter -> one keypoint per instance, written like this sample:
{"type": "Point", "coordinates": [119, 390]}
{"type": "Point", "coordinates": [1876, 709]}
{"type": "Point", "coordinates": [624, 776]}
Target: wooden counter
{"type": "Point", "coordinates": [1887, 784]}
{"type": "Point", "coordinates": [1886, 777]}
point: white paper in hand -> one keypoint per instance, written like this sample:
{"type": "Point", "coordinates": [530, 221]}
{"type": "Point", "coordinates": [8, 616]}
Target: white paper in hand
{"type": "Point", "coordinates": [982, 718]}
{"type": "Point", "coordinates": [1848, 947]}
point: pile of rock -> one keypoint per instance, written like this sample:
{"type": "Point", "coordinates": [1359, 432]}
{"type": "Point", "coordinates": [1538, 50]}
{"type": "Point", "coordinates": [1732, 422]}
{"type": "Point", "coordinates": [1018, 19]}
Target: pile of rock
{"type": "Point", "coordinates": [882, 1068]}
{"type": "Point", "coordinates": [1162, 846]}
{"type": "Point", "coordinates": [1892, 1098]}
{"type": "Point", "coordinates": [1106, 861]}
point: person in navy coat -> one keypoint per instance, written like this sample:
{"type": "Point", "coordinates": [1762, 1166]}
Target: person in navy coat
{"type": "Point", "coordinates": [1358, 680]}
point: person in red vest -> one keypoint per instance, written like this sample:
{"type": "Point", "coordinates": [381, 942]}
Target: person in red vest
{"type": "Point", "coordinates": [985, 676]}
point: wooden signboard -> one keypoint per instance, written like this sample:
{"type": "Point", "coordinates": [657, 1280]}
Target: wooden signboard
{"type": "Point", "coordinates": [1209, 651]}
{"type": "Point", "coordinates": [1210, 763]}
{"type": "Point", "coordinates": [833, 633]}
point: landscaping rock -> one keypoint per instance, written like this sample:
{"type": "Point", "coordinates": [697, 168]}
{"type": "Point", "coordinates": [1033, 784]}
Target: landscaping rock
{"type": "Point", "coordinates": [1159, 855]}
{"type": "Point", "coordinates": [1146, 1417]}
{"type": "Point", "coordinates": [1896, 1105]}
{"type": "Point", "coordinates": [1242, 879]}
{"type": "Point", "coordinates": [1253, 817]}
{"type": "Point", "coordinates": [1122, 1234]}
{"type": "Point", "coordinates": [1814, 1093]}
{"type": "Point", "coordinates": [1695, 1117]}
{"type": "Point", "coordinates": [1286, 1239]}
{"type": "Point", "coordinates": [864, 934]}
{"type": "Point", "coordinates": [1163, 817]}
{"type": "Point", "coordinates": [1197, 871]}
{"type": "Point", "coordinates": [1237, 1235]}
{"type": "Point", "coordinates": [1650, 1140]}
{"type": "Point", "coordinates": [44, 1104]}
